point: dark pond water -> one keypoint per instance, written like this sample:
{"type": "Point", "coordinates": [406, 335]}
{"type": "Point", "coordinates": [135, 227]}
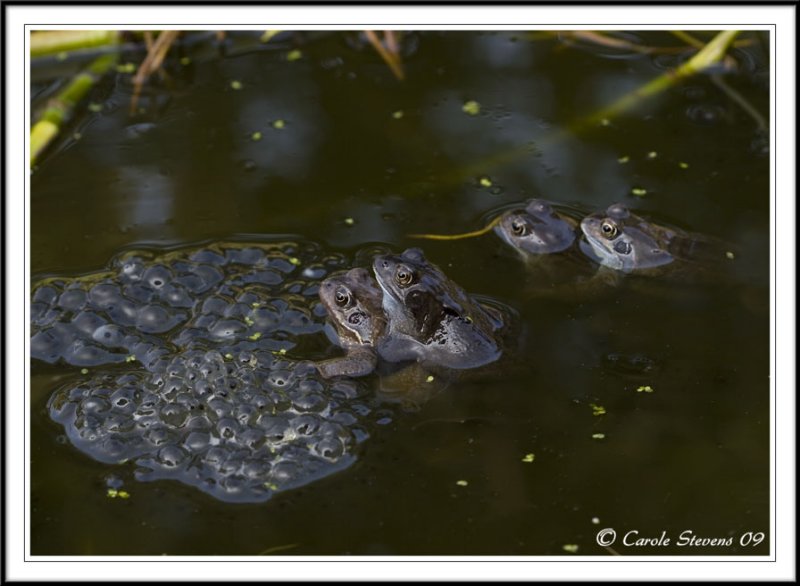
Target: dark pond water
{"type": "Point", "coordinates": [450, 477]}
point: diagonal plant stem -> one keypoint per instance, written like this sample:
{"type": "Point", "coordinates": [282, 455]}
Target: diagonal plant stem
{"type": "Point", "coordinates": [155, 56]}
{"type": "Point", "coordinates": [391, 56]}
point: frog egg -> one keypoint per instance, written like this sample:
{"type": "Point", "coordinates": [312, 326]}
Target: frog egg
{"type": "Point", "coordinates": [131, 270]}
{"type": "Point", "coordinates": [174, 415]}
{"type": "Point", "coordinates": [139, 293]}
{"type": "Point", "coordinates": [245, 256]}
{"type": "Point", "coordinates": [255, 468]}
{"type": "Point", "coordinates": [284, 472]}
{"type": "Point", "coordinates": [215, 305]}
{"type": "Point", "coordinates": [330, 448]}
{"type": "Point", "coordinates": [86, 322]}
{"type": "Point", "coordinates": [72, 299]}
{"type": "Point", "coordinates": [309, 402]}
{"type": "Point", "coordinates": [305, 425]}
{"type": "Point", "coordinates": [227, 428]}
{"type": "Point", "coordinates": [280, 379]}
{"type": "Point", "coordinates": [123, 400]}
{"type": "Point", "coordinates": [171, 456]}
{"type": "Point", "coordinates": [314, 272]}
{"type": "Point", "coordinates": [275, 428]}
{"type": "Point", "coordinates": [176, 296]}
{"type": "Point", "coordinates": [208, 275]}
{"type": "Point", "coordinates": [251, 438]}
{"type": "Point", "coordinates": [117, 423]}
{"type": "Point", "coordinates": [219, 408]}
{"type": "Point", "coordinates": [47, 346]}
{"type": "Point", "coordinates": [158, 435]}
{"type": "Point", "coordinates": [104, 295]}
{"type": "Point", "coordinates": [45, 294]}
{"type": "Point", "coordinates": [94, 405]}
{"type": "Point", "coordinates": [110, 336]}
{"type": "Point", "coordinates": [153, 319]}
{"type": "Point", "coordinates": [157, 276]}
{"type": "Point", "coordinates": [123, 313]}
{"type": "Point", "coordinates": [82, 353]}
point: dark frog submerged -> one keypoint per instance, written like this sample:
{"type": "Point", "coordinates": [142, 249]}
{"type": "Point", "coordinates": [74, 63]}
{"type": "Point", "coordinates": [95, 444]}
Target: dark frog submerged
{"type": "Point", "coordinates": [432, 319]}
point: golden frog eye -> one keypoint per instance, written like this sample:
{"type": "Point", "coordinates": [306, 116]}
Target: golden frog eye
{"type": "Point", "coordinates": [609, 229]}
{"type": "Point", "coordinates": [519, 228]}
{"type": "Point", "coordinates": [342, 297]}
{"type": "Point", "coordinates": [404, 276]}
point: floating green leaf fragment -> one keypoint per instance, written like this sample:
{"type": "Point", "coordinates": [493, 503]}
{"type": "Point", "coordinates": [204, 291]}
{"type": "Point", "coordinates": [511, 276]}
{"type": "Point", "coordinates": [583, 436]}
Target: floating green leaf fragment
{"type": "Point", "coordinates": [597, 410]}
{"type": "Point", "coordinates": [349, 221]}
{"type": "Point", "coordinates": [429, 379]}
{"type": "Point", "coordinates": [294, 55]}
{"type": "Point", "coordinates": [256, 135]}
{"type": "Point", "coordinates": [229, 356]}
{"type": "Point", "coordinates": [652, 155]}
{"type": "Point", "coordinates": [485, 181]}
{"type": "Point", "coordinates": [248, 321]}
{"type": "Point", "coordinates": [570, 548]}
{"type": "Point", "coordinates": [624, 159]}
{"type": "Point", "coordinates": [639, 191]}
{"type": "Point", "coordinates": [255, 305]}
{"type": "Point", "coordinates": [605, 122]}
{"type": "Point", "coordinates": [529, 458]}
{"type": "Point", "coordinates": [281, 352]}
{"type": "Point", "coordinates": [130, 358]}
{"type": "Point", "coordinates": [279, 124]}
{"type": "Point", "coordinates": [62, 56]}
{"type": "Point", "coordinates": [271, 485]}
{"type": "Point", "coordinates": [84, 371]}
{"type": "Point", "coordinates": [236, 85]}
{"type": "Point", "coordinates": [598, 436]}
{"type": "Point", "coordinates": [645, 389]}
{"type": "Point", "coordinates": [294, 260]}
{"type": "Point", "coordinates": [255, 336]}
{"type": "Point", "coordinates": [729, 255]}
{"type": "Point", "coordinates": [185, 60]}
{"type": "Point", "coordinates": [471, 107]}
{"type": "Point", "coordinates": [95, 107]}
{"type": "Point", "coordinates": [683, 165]}
{"type": "Point", "coordinates": [397, 114]}
{"type": "Point", "coordinates": [112, 493]}
{"type": "Point", "coordinates": [126, 68]}
{"type": "Point", "coordinates": [462, 482]}
{"type": "Point", "coordinates": [595, 520]}
{"type": "Point", "coordinates": [123, 494]}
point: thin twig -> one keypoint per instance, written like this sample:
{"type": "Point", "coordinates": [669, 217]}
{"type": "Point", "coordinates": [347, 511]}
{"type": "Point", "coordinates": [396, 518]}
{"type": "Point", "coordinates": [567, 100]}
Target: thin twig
{"type": "Point", "coordinates": [391, 59]}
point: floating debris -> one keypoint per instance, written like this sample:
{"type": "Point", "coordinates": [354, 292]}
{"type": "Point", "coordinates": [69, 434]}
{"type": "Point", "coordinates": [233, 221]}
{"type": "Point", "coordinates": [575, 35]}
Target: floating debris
{"type": "Point", "coordinates": [84, 371]}
{"type": "Point", "coordinates": [256, 135]}
{"type": "Point", "coordinates": [645, 389]}
{"type": "Point", "coordinates": [236, 85]}
{"type": "Point", "coordinates": [255, 336]}
{"type": "Point", "coordinates": [639, 191]}
{"type": "Point", "coordinates": [294, 260]}
{"type": "Point", "coordinates": [729, 255]}
{"type": "Point", "coordinates": [485, 181]}
{"type": "Point", "coordinates": [605, 122]}
{"type": "Point", "coordinates": [114, 493]}
{"type": "Point", "coordinates": [229, 356]}
{"type": "Point", "coordinates": [255, 305]}
{"type": "Point", "coordinates": [248, 321]}
{"type": "Point", "coordinates": [652, 155]}
{"type": "Point", "coordinates": [529, 458]}
{"type": "Point", "coordinates": [471, 107]}
{"type": "Point", "coordinates": [349, 221]}
{"type": "Point", "coordinates": [623, 160]}
{"type": "Point", "coordinates": [570, 548]}
{"type": "Point", "coordinates": [597, 410]}
{"type": "Point", "coordinates": [185, 60]}
{"type": "Point", "coordinates": [294, 55]}
{"type": "Point", "coordinates": [131, 358]}
{"type": "Point", "coordinates": [429, 379]}
{"type": "Point", "coordinates": [462, 482]}
{"type": "Point", "coordinates": [95, 107]}
{"type": "Point", "coordinates": [279, 124]}
{"type": "Point", "coordinates": [598, 436]}
{"type": "Point", "coordinates": [397, 115]}
{"type": "Point", "coordinates": [267, 36]}
{"type": "Point", "coordinates": [683, 165]}
{"type": "Point", "coordinates": [126, 68]}
{"type": "Point", "coordinates": [595, 520]}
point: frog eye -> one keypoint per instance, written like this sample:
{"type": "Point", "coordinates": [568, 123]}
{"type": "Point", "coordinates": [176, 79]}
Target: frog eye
{"type": "Point", "coordinates": [519, 228]}
{"type": "Point", "coordinates": [609, 229]}
{"type": "Point", "coordinates": [404, 276]}
{"type": "Point", "coordinates": [342, 297]}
